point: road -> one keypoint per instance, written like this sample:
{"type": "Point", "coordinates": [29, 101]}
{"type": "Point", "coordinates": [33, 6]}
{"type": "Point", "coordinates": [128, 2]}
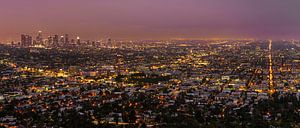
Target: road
{"type": "Point", "coordinates": [271, 82]}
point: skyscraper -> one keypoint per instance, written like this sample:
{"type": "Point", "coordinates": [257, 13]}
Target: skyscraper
{"type": "Point", "coordinates": [109, 43]}
{"type": "Point", "coordinates": [50, 40]}
{"type": "Point", "coordinates": [39, 38]}
{"type": "Point", "coordinates": [67, 40]}
{"type": "Point", "coordinates": [78, 40]}
{"type": "Point", "coordinates": [72, 42]}
{"type": "Point", "coordinates": [62, 40]}
{"type": "Point", "coordinates": [26, 40]}
{"type": "Point", "coordinates": [56, 40]}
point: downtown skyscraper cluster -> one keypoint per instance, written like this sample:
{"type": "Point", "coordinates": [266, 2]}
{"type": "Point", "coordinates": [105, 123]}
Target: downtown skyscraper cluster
{"type": "Point", "coordinates": [55, 40]}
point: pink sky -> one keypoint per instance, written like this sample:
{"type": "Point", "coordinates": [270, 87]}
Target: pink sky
{"type": "Point", "coordinates": [151, 19]}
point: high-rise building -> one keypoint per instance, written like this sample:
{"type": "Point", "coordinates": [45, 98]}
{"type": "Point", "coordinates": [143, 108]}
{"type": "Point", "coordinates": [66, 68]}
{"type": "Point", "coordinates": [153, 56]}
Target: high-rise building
{"type": "Point", "coordinates": [67, 39]}
{"type": "Point", "coordinates": [109, 42]}
{"type": "Point", "coordinates": [50, 40]}
{"type": "Point", "coordinates": [78, 40]}
{"type": "Point", "coordinates": [62, 40]}
{"type": "Point", "coordinates": [39, 38]}
{"type": "Point", "coordinates": [26, 40]}
{"type": "Point", "coordinates": [72, 42]}
{"type": "Point", "coordinates": [56, 40]}
{"type": "Point", "coordinates": [23, 40]}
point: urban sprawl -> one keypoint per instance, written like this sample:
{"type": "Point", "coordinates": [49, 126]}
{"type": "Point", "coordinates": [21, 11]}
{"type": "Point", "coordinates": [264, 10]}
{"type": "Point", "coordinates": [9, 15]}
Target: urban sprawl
{"type": "Point", "coordinates": [63, 82]}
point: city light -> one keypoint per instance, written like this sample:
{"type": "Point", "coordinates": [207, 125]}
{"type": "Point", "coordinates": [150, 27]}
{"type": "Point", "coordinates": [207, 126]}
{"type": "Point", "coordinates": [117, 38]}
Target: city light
{"type": "Point", "coordinates": [149, 64]}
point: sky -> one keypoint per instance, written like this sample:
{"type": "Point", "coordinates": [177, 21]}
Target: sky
{"type": "Point", "coordinates": [151, 19]}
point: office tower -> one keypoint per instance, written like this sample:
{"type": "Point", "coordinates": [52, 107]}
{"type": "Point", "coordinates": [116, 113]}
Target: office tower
{"type": "Point", "coordinates": [67, 39]}
{"type": "Point", "coordinates": [23, 40]}
{"type": "Point", "coordinates": [50, 40]}
{"type": "Point", "coordinates": [26, 40]}
{"type": "Point", "coordinates": [78, 40]}
{"type": "Point", "coordinates": [109, 43]}
{"type": "Point", "coordinates": [29, 40]}
{"type": "Point", "coordinates": [62, 40]}
{"type": "Point", "coordinates": [72, 42]}
{"type": "Point", "coordinates": [55, 40]}
{"type": "Point", "coordinates": [39, 38]}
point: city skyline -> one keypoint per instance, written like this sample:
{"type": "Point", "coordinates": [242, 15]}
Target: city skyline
{"type": "Point", "coordinates": [150, 63]}
{"type": "Point", "coordinates": [141, 19]}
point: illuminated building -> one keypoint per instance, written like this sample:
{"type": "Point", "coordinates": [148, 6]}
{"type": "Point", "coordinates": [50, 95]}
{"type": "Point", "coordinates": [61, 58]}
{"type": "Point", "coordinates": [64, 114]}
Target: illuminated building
{"type": "Point", "coordinates": [39, 38]}
{"type": "Point", "coordinates": [26, 40]}
{"type": "Point", "coordinates": [66, 39]}
{"type": "Point", "coordinates": [109, 42]}
{"type": "Point", "coordinates": [62, 40]}
{"type": "Point", "coordinates": [55, 40]}
{"type": "Point", "coordinates": [78, 40]}
{"type": "Point", "coordinates": [50, 40]}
